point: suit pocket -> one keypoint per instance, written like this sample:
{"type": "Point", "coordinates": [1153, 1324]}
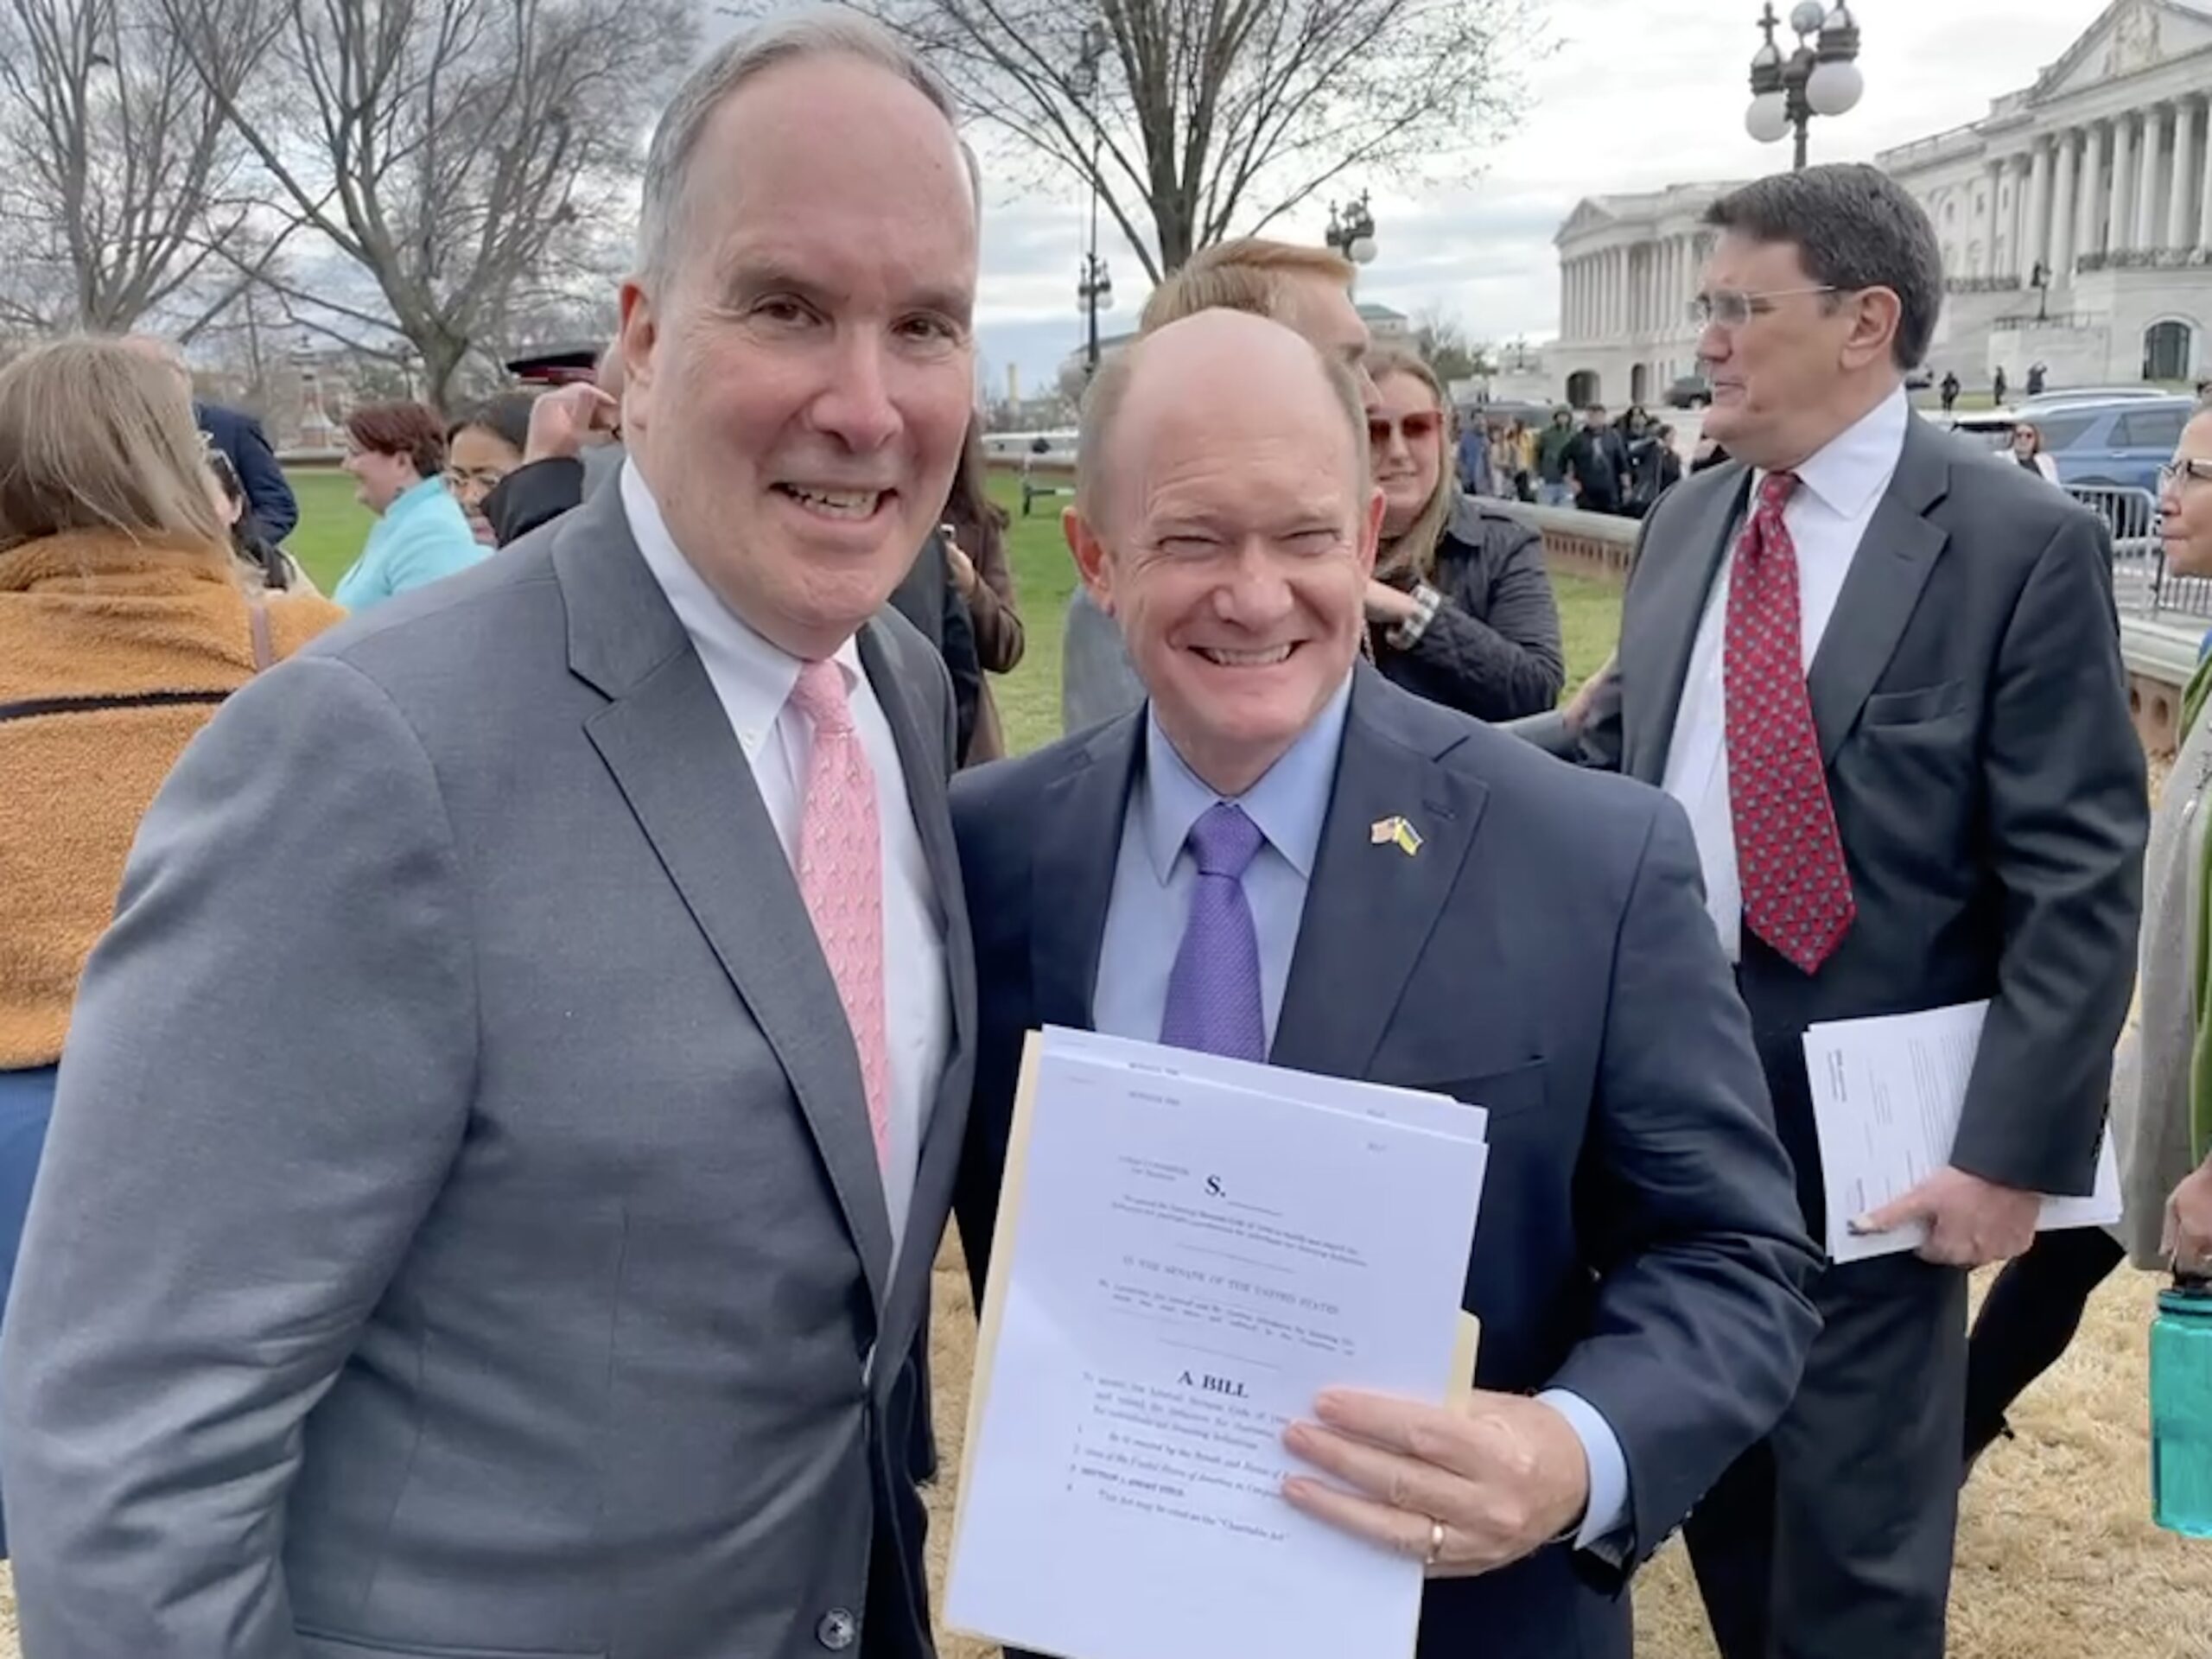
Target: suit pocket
{"type": "Point", "coordinates": [1913, 707]}
{"type": "Point", "coordinates": [1502, 1094]}
{"type": "Point", "coordinates": [323, 1644]}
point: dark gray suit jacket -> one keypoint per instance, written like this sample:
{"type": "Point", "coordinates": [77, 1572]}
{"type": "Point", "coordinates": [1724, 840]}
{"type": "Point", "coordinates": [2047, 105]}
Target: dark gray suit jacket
{"type": "Point", "coordinates": [1988, 787]}
{"type": "Point", "coordinates": [1546, 955]}
{"type": "Point", "coordinates": [461, 1232]}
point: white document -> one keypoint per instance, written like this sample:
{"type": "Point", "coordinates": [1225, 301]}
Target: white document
{"type": "Point", "coordinates": [1183, 1265]}
{"type": "Point", "coordinates": [1887, 1096]}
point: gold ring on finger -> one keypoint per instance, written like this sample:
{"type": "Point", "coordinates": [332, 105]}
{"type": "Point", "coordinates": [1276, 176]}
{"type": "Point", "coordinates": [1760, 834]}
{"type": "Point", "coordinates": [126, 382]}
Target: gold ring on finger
{"type": "Point", "coordinates": [1435, 1543]}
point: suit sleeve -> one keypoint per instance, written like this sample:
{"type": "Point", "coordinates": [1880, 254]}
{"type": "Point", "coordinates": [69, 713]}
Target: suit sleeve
{"type": "Point", "coordinates": [267, 492]}
{"type": "Point", "coordinates": [2068, 815]}
{"type": "Point", "coordinates": [268, 1076]}
{"type": "Point", "coordinates": [535, 493]}
{"type": "Point", "coordinates": [1688, 1208]}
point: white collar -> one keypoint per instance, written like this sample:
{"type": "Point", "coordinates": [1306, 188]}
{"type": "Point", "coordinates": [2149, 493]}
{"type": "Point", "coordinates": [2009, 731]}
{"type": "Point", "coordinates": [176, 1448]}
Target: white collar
{"type": "Point", "coordinates": [1846, 472]}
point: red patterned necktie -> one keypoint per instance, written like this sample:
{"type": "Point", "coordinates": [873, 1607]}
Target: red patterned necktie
{"type": "Point", "coordinates": [1788, 856]}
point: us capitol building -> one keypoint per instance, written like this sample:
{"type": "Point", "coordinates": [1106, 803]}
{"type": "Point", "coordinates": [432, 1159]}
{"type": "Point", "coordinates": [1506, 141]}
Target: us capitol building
{"type": "Point", "coordinates": [2075, 220]}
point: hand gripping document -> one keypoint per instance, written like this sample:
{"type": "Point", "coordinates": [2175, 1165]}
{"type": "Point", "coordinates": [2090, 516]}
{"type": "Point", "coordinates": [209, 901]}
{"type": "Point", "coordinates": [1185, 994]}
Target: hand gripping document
{"type": "Point", "coordinates": [1189, 1250]}
{"type": "Point", "coordinates": [1888, 1092]}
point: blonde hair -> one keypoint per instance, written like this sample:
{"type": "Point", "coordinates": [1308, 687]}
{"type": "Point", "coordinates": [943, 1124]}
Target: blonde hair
{"type": "Point", "coordinates": [1246, 275]}
{"type": "Point", "coordinates": [97, 436]}
{"type": "Point", "coordinates": [1412, 551]}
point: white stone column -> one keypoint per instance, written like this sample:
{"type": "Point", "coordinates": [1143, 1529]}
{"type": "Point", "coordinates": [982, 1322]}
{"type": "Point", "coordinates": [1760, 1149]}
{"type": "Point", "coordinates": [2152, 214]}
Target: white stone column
{"type": "Point", "coordinates": [1621, 295]}
{"type": "Point", "coordinates": [2090, 195]}
{"type": "Point", "coordinates": [2124, 147]}
{"type": "Point", "coordinates": [2068, 150]}
{"type": "Point", "coordinates": [2146, 181]}
{"type": "Point", "coordinates": [2188, 134]}
{"type": "Point", "coordinates": [1992, 188]}
{"type": "Point", "coordinates": [2204, 198]}
{"type": "Point", "coordinates": [2035, 249]}
{"type": "Point", "coordinates": [1577, 285]}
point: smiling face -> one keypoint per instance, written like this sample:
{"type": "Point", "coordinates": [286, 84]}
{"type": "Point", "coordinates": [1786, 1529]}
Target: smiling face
{"type": "Point", "coordinates": [1405, 435]}
{"type": "Point", "coordinates": [1234, 536]}
{"type": "Point", "coordinates": [2185, 503]}
{"type": "Point", "coordinates": [379, 479]}
{"type": "Point", "coordinates": [798, 390]}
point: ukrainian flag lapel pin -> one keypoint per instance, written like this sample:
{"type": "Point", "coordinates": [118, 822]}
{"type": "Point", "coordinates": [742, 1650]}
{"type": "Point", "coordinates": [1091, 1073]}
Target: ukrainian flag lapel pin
{"type": "Point", "coordinates": [1395, 831]}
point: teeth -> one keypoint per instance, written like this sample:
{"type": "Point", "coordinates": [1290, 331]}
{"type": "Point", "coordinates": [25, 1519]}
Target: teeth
{"type": "Point", "coordinates": [839, 504]}
{"type": "Point", "coordinates": [1245, 658]}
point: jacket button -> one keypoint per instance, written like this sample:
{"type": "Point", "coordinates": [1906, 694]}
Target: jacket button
{"type": "Point", "coordinates": [836, 1630]}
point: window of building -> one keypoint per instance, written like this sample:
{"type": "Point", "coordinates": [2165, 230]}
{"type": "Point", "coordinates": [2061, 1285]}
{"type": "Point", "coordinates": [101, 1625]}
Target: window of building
{"type": "Point", "coordinates": [1950, 211]}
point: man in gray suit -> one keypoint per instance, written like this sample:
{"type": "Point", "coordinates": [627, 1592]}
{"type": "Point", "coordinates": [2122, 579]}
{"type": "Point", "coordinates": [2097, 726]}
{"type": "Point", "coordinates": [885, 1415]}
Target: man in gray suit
{"type": "Point", "coordinates": [504, 1136]}
{"type": "Point", "coordinates": [1883, 676]}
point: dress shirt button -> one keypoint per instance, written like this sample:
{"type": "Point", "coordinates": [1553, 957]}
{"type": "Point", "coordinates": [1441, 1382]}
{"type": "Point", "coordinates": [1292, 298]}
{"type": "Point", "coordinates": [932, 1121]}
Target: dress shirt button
{"type": "Point", "coordinates": [836, 1630]}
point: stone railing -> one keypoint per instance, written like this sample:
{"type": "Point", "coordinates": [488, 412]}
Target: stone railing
{"type": "Point", "coordinates": [2146, 260]}
{"type": "Point", "coordinates": [1982, 284]}
{"type": "Point", "coordinates": [2159, 651]}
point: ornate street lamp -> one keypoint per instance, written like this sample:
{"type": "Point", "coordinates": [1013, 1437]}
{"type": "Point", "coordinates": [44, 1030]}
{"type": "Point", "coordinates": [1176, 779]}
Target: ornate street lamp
{"type": "Point", "coordinates": [1820, 76]}
{"type": "Point", "coordinates": [1093, 287]}
{"type": "Point", "coordinates": [1351, 230]}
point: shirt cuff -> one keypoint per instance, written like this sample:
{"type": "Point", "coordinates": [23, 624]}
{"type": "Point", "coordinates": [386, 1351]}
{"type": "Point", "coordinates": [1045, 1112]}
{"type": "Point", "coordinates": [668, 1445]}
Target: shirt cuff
{"type": "Point", "coordinates": [1606, 1513]}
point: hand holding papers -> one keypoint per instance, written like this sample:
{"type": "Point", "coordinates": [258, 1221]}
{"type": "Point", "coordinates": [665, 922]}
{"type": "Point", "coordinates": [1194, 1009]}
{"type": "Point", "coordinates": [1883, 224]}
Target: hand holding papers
{"type": "Point", "coordinates": [1189, 1252]}
{"type": "Point", "coordinates": [1887, 1094]}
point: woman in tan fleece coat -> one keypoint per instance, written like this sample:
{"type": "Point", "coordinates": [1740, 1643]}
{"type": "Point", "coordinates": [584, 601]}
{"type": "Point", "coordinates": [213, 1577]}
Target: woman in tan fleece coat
{"type": "Point", "coordinates": [123, 623]}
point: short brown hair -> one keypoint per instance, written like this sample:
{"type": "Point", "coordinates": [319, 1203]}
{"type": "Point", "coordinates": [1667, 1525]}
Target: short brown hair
{"type": "Point", "coordinates": [1246, 275]}
{"type": "Point", "coordinates": [409, 430]}
{"type": "Point", "coordinates": [99, 436]}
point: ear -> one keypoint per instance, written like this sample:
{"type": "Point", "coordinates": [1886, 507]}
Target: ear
{"type": "Point", "coordinates": [1092, 561]}
{"type": "Point", "coordinates": [1875, 314]}
{"type": "Point", "coordinates": [1370, 530]}
{"type": "Point", "coordinates": [639, 330]}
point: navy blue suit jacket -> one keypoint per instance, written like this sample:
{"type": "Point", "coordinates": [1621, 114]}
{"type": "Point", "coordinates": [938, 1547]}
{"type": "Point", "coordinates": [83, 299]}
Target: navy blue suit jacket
{"type": "Point", "coordinates": [1546, 955]}
{"type": "Point", "coordinates": [269, 497]}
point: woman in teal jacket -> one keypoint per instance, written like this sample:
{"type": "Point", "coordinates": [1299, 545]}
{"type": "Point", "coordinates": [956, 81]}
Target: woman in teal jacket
{"type": "Point", "coordinates": [397, 453]}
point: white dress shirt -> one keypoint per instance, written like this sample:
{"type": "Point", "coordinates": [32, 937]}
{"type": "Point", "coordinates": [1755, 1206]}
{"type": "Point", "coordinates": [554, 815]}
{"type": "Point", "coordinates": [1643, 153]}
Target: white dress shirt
{"type": "Point", "coordinates": [1827, 516]}
{"type": "Point", "coordinates": [754, 680]}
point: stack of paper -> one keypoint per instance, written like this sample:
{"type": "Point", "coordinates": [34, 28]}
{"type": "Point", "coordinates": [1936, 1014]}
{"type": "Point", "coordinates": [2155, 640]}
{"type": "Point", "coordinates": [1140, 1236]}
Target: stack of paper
{"type": "Point", "coordinates": [1887, 1096]}
{"type": "Point", "coordinates": [1189, 1250]}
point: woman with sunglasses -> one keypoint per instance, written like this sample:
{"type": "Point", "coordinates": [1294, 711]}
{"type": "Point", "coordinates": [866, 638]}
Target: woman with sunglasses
{"type": "Point", "coordinates": [1461, 610]}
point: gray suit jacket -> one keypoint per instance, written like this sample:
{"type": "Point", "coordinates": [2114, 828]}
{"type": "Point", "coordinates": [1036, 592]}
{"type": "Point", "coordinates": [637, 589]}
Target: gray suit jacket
{"type": "Point", "coordinates": [1098, 681]}
{"type": "Point", "coordinates": [462, 1232]}
{"type": "Point", "coordinates": [1972, 710]}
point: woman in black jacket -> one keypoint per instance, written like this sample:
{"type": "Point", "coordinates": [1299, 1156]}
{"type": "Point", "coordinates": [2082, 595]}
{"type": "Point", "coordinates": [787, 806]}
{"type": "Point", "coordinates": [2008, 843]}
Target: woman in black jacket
{"type": "Point", "coordinates": [1461, 609]}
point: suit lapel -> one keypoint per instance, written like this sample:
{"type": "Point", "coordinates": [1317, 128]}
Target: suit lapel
{"type": "Point", "coordinates": [1078, 841]}
{"type": "Point", "coordinates": [1342, 990]}
{"type": "Point", "coordinates": [1655, 660]}
{"type": "Point", "coordinates": [667, 739]}
{"type": "Point", "coordinates": [1887, 574]}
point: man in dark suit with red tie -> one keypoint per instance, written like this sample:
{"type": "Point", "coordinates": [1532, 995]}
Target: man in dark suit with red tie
{"type": "Point", "coordinates": [1883, 678]}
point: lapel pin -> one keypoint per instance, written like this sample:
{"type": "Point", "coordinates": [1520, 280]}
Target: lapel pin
{"type": "Point", "coordinates": [1395, 832]}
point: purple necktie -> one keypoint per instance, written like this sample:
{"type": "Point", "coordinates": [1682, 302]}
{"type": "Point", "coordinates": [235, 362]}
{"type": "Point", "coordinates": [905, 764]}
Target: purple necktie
{"type": "Point", "coordinates": [1213, 993]}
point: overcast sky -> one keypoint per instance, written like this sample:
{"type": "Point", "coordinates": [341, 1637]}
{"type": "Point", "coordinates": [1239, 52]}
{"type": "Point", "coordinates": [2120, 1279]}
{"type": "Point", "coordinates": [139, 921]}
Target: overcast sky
{"type": "Point", "coordinates": [1603, 116]}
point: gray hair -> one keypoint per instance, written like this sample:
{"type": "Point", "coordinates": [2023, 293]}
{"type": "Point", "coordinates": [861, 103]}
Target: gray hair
{"type": "Point", "coordinates": [815, 32]}
{"type": "Point", "coordinates": [1109, 389]}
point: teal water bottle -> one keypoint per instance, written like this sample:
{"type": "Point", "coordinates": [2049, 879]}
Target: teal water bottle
{"type": "Point", "coordinates": [2181, 1409]}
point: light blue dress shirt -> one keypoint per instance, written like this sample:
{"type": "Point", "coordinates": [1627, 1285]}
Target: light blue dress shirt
{"type": "Point", "coordinates": [423, 535]}
{"type": "Point", "coordinates": [1154, 874]}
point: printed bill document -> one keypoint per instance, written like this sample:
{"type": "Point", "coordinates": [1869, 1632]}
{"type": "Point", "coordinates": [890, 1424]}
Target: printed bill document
{"type": "Point", "coordinates": [1887, 1095]}
{"type": "Point", "coordinates": [1189, 1250]}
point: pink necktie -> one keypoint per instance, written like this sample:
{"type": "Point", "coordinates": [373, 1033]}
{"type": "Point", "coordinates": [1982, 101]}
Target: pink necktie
{"type": "Point", "coordinates": [840, 876]}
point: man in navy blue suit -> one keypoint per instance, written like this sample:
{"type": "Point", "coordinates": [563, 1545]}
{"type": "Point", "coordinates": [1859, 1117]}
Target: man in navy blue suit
{"type": "Point", "coordinates": [240, 437]}
{"type": "Point", "coordinates": [1283, 856]}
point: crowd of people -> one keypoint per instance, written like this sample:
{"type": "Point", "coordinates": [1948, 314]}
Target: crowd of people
{"type": "Point", "coordinates": [498, 1069]}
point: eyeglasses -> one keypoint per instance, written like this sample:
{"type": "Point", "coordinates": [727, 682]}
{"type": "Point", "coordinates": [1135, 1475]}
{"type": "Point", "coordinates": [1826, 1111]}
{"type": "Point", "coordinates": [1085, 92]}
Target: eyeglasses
{"type": "Point", "coordinates": [2175, 474]}
{"type": "Point", "coordinates": [1417, 429]}
{"type": "Point", "coordinates": [1732, 308]}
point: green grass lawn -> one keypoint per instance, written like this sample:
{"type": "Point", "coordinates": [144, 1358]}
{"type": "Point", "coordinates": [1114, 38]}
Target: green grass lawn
{"type": "Point", "coordinates": [333, 526]}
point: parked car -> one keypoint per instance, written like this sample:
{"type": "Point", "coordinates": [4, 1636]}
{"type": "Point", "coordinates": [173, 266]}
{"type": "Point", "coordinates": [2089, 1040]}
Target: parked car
{"type": "Point", "coordinates": [2090, 395]}
{"type": "Point", "coordinates": [2120, 441]}
{"type": "Point", "coordinates": [1689, 391]}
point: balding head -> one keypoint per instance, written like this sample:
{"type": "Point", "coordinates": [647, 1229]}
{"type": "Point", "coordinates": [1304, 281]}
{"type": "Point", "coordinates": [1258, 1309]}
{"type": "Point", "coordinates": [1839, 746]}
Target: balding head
{"type": "Point", "coordinates": [1224, 516]}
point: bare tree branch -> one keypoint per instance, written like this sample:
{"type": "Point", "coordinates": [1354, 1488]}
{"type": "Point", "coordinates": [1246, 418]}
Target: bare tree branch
{"type": "Point", "coordinates": [447, 149]}
{"type": "Point", "coordinates": [1209, 118]}
{"type": "Point", "coordinates": [116, 170]}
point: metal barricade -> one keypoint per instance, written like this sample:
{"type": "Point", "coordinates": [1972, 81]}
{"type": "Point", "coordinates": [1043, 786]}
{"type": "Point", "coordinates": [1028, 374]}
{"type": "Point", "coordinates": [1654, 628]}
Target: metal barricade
{"type": "Point", "coordinates": [2141, 585]}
